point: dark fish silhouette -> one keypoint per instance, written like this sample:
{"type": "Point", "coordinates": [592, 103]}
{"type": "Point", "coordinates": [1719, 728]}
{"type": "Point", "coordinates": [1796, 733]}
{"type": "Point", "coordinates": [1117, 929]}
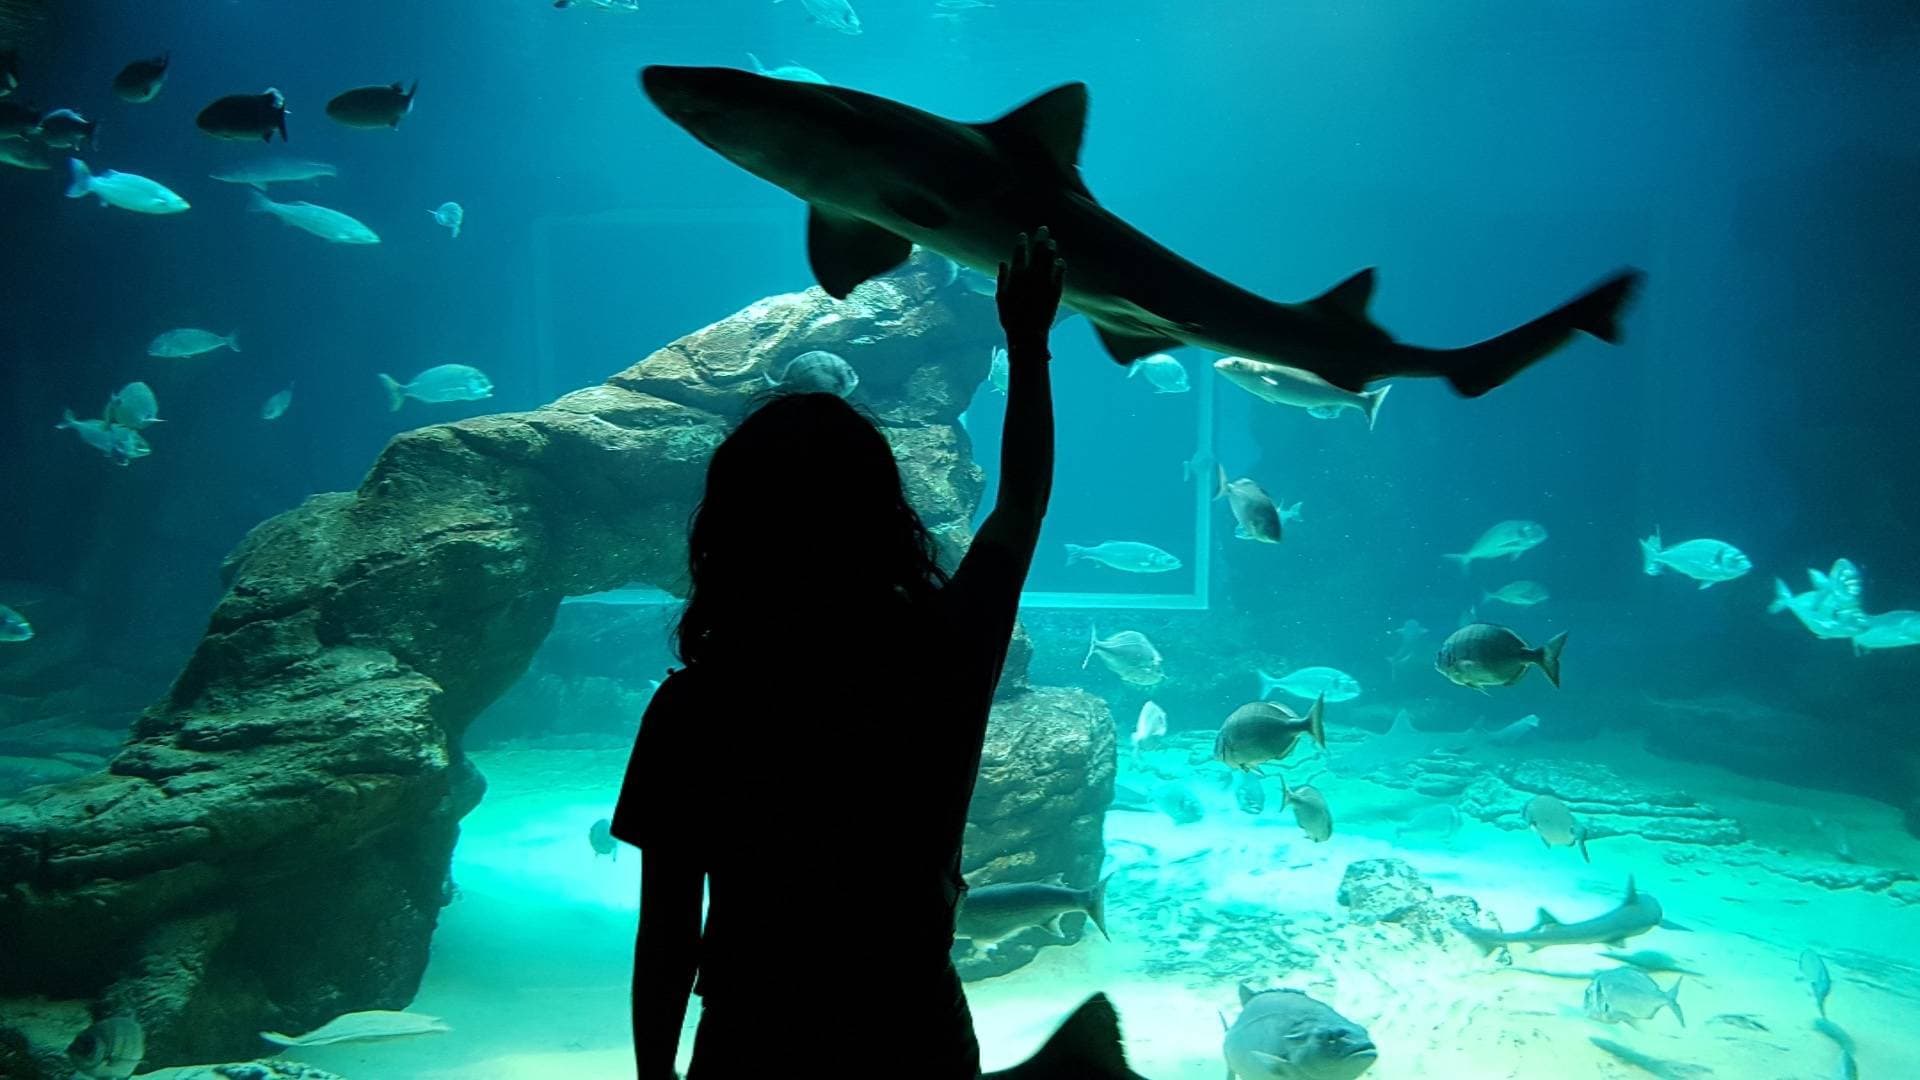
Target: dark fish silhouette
{"type": "Point", "coordinates": [141, 80]}
{"type": "Point", "coordinates": [246, 116]}
{"type": "Point", "coordinates": [373, 106]}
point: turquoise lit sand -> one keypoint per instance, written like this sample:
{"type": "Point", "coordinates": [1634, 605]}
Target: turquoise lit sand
{"type": "Point", "coordinates": [530, 964]}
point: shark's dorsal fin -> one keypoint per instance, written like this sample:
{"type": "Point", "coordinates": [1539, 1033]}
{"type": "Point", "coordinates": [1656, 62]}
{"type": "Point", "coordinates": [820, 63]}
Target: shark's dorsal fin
{"type": "Point", "coordinates": [1349, 298]}
{"type": "Point", "coordinates": [1055, 121]}
{"type": "Point", "coordinates": [1545, 918]}
{"type": "Point", "coordinates": [1402, 723]}
{"type": "Point", "coordinates": [1632, 893]}
{"type": "Point", "coordinates": [845, 251]}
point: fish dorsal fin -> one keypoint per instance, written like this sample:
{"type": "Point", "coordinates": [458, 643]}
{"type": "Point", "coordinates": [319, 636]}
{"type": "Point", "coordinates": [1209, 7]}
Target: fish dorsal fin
{"type": "Point", "coordinates": [1632, 893]}
{"type": "Point", "coordinates": [1402, 723]}
{"type": "Point", "coordinates": [1349, 298]}
{"type": "Point", "coordinates": [1055, 122]}
{"type": "Point", "coordinates": [1246, 994]}
{"type": "Point", "coordinates": [845, 251]}
{"type": "Point", "coordinates": [1544, 918]}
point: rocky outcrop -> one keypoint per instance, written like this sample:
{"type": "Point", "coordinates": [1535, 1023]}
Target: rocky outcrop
{"type": "Point", "coordinates": [1039, 807]}
{"type": "Point", "coordinates": [270, 848]}
{"type": "Point", "coordinates": [1388, 895]}
{"type": "Point", "coordinates": [1605, 802]}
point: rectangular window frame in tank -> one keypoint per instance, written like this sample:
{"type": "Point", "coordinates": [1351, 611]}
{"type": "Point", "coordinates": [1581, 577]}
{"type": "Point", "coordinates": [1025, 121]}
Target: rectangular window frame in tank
{"type": "Point", "coordinates": [547, 382]}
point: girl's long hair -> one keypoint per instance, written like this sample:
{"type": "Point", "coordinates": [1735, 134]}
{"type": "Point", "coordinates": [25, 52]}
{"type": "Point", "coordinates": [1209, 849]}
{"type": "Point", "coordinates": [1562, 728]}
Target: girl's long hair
{"type": "Point", "coordinates": [804, 531]}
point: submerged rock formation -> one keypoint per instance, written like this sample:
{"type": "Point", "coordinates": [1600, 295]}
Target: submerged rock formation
{"type": "Point", "coordinates": [1389, 896]}
{"type": "Point", "coordinates": [270, 848]}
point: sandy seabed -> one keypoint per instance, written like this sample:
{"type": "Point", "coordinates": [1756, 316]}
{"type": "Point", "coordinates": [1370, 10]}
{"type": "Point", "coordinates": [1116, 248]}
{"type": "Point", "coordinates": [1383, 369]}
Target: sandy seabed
{"type": "Point", "coordinates": [531, 963]}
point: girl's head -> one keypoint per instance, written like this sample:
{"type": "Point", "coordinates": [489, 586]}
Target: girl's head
{"type": "Point", "coordinates": [804, 521]}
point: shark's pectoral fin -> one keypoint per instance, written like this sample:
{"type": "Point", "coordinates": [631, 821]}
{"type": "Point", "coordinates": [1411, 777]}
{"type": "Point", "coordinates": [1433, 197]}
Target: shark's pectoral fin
{"type": "Point", "coordinates": [1126, 346]}
{"type": "Point", "coordinates": [845, 251]}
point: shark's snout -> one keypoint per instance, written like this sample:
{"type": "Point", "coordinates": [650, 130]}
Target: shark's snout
{"type": "Point", "coordinates": [692, 93]}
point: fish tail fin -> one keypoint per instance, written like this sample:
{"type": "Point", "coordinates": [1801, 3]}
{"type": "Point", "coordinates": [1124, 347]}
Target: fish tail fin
{"type": "Point", "coordinates": [1476, 369]}
{"type": "Point", "coordinates": [1097, 906]}
{"type": "Point", "coordinates": [1673, 1001]}
{"type": "Point", "coordinates": [1075, 553]}
{"type": "Point", "coordinates": [1292, 513]}
{"type": "Point", "coordinates": [1650, 553]}
{"type": "Point", "coordinates": [1086, 1046]}
{"type": "Point", "coordinates": [1782, 597]}
{"type": "Point", "coordinates": [81, 179]}
{"type": "Point", "coordinates": [1219, 481]}
{"type": "Point", "coordinates": [1316, 721]}
{"type": "Point", "coordinates": [1267, 683]}
{"type": "Point", "coordinates": [258, 202]}
{"type": "Point", "coordinates": [1286, 793]}
{"type": "Point", "coordinates": [67, 420]}
{"type": "Point", "coordinates": [233, 341]}
{"type": "Point", "coordinates": [1550, 658]}
{"type": "Point", "coordinates": [1582, 840]}
{"type": "Point", "coordinates": [1462, 559]}
{"type": "Point", "coordinates": [396, 393]}
{"type": "Point", "coordinates": [1093, 637]}
{"type": "Point", "coordinates": [757, 65]}
{"type": "Point", "coordinates": [1373, 399]}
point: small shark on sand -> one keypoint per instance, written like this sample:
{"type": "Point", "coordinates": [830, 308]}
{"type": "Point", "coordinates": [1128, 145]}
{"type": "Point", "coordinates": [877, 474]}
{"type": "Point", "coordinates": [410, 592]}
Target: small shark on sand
{"type": "Point", "coordinates": [880, 176]}
{"type": "Point", "coordinates": [1638, 913]}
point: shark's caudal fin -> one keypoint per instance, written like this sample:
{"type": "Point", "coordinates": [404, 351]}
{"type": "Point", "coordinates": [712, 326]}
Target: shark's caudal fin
{"type": "Point", "coordinates": [1673, 1002]}
{"type": "Point", "coordinates": [1126, 346]}
{"type": "Point", "coordinates": [1373, 399]}
{"type": "Point", "coordinates": [1085, 1047]}
{"type": "Point", "coordinates": [1476, 369]}
{"type": "Point", "coordinates": [1096, 906]}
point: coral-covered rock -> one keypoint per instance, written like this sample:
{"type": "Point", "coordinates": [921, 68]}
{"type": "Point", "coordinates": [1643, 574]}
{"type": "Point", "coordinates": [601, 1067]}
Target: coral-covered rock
{"type": "Point", "coordinates": [1046, 777]}
{"type": "Point", "coordinates": [1389, 894]}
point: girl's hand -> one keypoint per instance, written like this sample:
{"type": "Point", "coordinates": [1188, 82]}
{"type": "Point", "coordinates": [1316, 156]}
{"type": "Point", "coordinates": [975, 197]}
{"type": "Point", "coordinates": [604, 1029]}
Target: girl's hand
{"type": "Point", "coordinates": [1029, 290]}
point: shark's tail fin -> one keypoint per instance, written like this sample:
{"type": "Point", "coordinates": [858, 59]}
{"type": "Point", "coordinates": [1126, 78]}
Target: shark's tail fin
{"type": "Point", "coordinates": [1373, 399]}
{"type": "Point", "coordinates": [1485, 940]}
{"type": "Point", "coordinates": [1476, 369]}
{"type": "Point", "coordinates": [1085, 1047]}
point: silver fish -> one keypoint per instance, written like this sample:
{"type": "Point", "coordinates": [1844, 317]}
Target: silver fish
{"type": "Point", "coordinates": [1127, 654]}
{"type": "Point", "coordinates": [188, 342]}
{"type": "Point", "coordinates": [1311, 683]}
{"type": "Point", "coordinates": [787, 71]}
{"type": "Point", "coordinates": [1286, 1035]}
{"type": "Point", "coordinates": [277, 405]}
{"type": "Point", "coordinates": [1888, 630]}
{"type": "Point", "coordinates": [1253, 509]}
{"type": "Point", "coordinates": [258, 174]}
{"type": "Point", "coordinates": [447, 382]}
{"type": "Point", "coordinates": [1310, 810]}
{"type": "Point", "coordinates": [1630, 994]}
{"type": "Point", "coordinates": [1518, 593]}
{"type": "Point", "coordinates": [1708, 562]}
{"type": "Point", "coordinates": [997, 370]}
{"type": "Point", "coordinates": [1299, 388]}
{"type": "Point", "coordinates": [1249, 792]}
{"type": "Point", "coordinates": [124, 190]}
{"type": "Point", "coordinates": [1440, 819]}
{"type": "Point", "coordinates": [449, 215]}
{"type": "Point", "coordinates": [832, 14]}
{"type": "Point", "coordinates": [120, 445]}
{"type": "Point", "coordinates": [1508, 539]}
{"type": "Point", "coordinates": [817, 371]}
{"type": "Point", "coordinates": [14, 626]}
{"type": "Point", "coordinates": [1130, 556]}
{"type": "Point", "coordinates": [109, 1050]}
{"type": "Point", "coordinates": [600, 838]}
{"type": "Point", "coordinates": [1151, 724]}
{"type": "Point", "coordinates": [133, 406]}
{"type": "Point", "coordinates": [1813, 970]}
{"type": "Point", "coordinates": [329, 225]}
{"type": "Point", "coordinates": [1550, 819]}
{"type": "Point", "coordinates": [1163, 372]}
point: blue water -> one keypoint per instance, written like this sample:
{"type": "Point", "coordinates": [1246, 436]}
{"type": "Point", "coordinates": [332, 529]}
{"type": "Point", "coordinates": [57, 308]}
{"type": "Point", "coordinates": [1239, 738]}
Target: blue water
{"type": "Point", "coordinates": [1491, 159]}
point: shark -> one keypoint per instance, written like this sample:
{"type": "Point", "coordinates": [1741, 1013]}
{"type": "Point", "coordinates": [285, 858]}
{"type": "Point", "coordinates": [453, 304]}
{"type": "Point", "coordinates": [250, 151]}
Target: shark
{"type": "Point", "coordinates": [880, 177]}
{"type": "Point", "coordinates": [1638, 913]}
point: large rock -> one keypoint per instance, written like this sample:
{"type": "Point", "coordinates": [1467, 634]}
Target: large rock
{"type": "Point", "coordinates": [270, 848]}
{"type": "Point", "coordinates": [1388, 895]}
{"type": "Point", "coordinates": [1039, 808]}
